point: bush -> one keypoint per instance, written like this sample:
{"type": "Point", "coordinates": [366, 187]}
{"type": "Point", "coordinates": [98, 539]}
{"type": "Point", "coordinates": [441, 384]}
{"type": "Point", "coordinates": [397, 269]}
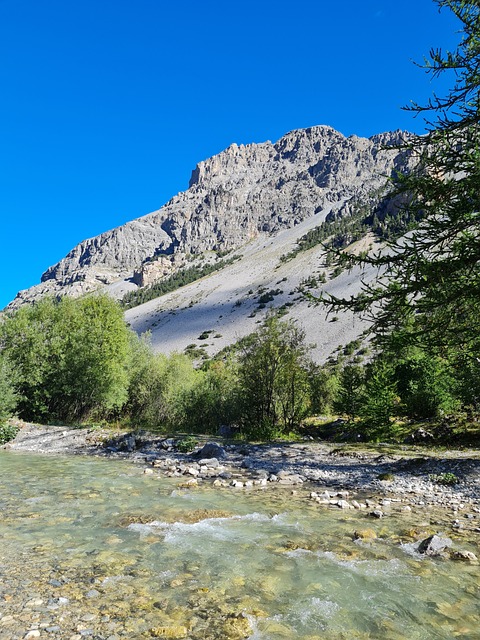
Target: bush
{"type": "Point", "coordinates": [443, 478]}
{"type": "Point", "coordinates": [7, 433]}
{"type": "Point", "coordinates": [426, 384]}
{"type": "Point", "coordinates": [187, 444]}
{"type": "Point", "coordinates": [350, 392]}
{"type": "Point", "coordinates": [214, 398]}
{"type": "Point", "coordinates": [379, 401]}
{"type": "Point", "coordinates": [158, 388]}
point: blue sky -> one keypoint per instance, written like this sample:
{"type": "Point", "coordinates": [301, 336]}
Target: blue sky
{"type": "Point", "coordinates": [107, 105]}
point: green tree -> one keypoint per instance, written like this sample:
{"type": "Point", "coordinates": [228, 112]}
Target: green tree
{"type": "Point", "coordinates": [214, 400]}
{"type": "Point", "coordinates": [93, 373]}
{"type": "Point", "coordinates": [71, 357]}
{"type": "Point", "coordinates": [273, 378]}
{"type": "Point", "coordinates": [350, 392]}
{"type": "Point", "coordinates": [8, 396]}
{"type": "Point", "coordinates": [432, 275]}
{"type": "Point", "coordinates": [324, 388]}
{"type": "Point", "coordinates": [159, 387]}
{"type": "Point", "coordinates": [426, 383]}
{"type": "Point", "coordinates": [379, 400]}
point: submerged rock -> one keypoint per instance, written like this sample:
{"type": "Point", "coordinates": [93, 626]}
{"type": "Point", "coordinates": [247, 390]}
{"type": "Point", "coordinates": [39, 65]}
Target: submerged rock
{"type": "Point", "coordinates": [463, 556]}
{"type": "Point", "coordinates": [433, 545]}
{"type": "Point", "coordinates": [364, 534]}
{"type": "Point", "coordinates": [169, 632]}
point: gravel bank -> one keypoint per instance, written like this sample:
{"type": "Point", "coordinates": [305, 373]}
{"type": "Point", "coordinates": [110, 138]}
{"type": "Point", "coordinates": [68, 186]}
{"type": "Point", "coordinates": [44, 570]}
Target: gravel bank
{"type": "Point", "coordinates": [410, 475]}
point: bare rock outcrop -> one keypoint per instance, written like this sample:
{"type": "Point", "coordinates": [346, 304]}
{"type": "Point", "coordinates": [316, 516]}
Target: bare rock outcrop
{"type": "Point", "coordinates": [233, 197]}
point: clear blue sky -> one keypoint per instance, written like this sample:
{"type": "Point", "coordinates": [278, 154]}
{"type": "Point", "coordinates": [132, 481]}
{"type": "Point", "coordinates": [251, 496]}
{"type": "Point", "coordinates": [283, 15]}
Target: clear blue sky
{"type": "Point", "coordinates": [107, 105]}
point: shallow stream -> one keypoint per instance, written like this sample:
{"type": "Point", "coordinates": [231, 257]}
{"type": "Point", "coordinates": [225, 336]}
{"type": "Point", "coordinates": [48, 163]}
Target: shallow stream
{"type": "Point", "coordinates": [95, 548]}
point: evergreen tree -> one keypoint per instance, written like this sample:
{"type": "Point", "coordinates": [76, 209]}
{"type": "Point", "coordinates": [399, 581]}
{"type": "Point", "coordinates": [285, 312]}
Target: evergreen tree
{"type": "Point", "coordinates": [431, 276]}
{"type": "Point", "coordinates": [350, 391]}
{"type": "Point", "coordinates": [379, 400]}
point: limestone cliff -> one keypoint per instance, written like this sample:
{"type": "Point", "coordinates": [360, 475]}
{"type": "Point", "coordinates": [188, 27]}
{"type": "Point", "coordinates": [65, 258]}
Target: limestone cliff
{"type": "Point", "coordinates": [233, 197]}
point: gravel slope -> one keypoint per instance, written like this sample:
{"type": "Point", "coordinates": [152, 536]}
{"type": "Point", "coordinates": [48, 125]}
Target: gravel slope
{"type": "Point", "coordinates": [226, 302]}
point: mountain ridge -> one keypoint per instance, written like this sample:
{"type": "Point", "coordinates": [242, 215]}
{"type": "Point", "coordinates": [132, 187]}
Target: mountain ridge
{"type": "Point", "coordinates": [233, 198]}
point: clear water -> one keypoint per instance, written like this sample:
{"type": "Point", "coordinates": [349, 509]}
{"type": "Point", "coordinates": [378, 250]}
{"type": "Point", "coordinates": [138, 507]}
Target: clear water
{"type": "Point", "coordinates": [147, 557]}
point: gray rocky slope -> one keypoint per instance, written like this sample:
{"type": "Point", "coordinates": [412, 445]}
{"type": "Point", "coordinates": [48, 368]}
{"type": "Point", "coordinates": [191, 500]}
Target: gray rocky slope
{"type": "Point", "coordinates": [255, 201]}
{"type": "Point", "coordinates": [232, 198]}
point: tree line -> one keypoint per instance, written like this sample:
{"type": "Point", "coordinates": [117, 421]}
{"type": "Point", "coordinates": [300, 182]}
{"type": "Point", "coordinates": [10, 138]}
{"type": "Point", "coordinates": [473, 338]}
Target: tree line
{"type": "Point", "coordinates": [76, 361]}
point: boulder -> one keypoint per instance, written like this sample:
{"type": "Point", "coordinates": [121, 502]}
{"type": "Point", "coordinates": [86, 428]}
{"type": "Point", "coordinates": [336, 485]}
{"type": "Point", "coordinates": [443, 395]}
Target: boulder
{"type": "Point", "coordinates": [433, 545]}
{"type": "Point", "coordinates": [211, 450]}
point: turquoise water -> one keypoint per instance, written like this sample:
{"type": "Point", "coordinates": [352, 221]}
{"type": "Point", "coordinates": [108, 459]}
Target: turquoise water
{"type": "Point", "coordinates": [147, 558]}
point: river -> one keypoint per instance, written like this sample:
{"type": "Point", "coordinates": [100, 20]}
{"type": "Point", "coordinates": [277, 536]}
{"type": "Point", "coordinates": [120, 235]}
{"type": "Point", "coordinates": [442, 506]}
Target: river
{"type": "Point", "coordinates": [95, 548]}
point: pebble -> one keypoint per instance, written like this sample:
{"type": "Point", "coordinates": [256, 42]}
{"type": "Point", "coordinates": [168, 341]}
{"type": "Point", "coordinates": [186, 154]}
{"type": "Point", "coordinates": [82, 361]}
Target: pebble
{"type": "Point", "coordinates": [88, 617]}
{"type": "Point", "coordinates": [55, 583]}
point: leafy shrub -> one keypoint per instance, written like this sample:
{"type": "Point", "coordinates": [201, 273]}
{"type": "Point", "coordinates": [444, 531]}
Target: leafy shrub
{"type": "Point", "coordinates": [447, 478]}
{"type": "Point", "coordinates": [269, 296]}
{"type": "Point", "coordinates": [7, 433]}
{"type": "Point", "coordinates": [187, 444]}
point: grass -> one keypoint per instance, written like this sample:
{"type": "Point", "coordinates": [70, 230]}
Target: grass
{"type": "Point", "coordinates": [459, 431]}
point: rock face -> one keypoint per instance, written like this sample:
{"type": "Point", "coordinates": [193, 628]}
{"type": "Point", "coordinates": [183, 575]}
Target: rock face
{"type": "Point", "coordinates": [233, 197]}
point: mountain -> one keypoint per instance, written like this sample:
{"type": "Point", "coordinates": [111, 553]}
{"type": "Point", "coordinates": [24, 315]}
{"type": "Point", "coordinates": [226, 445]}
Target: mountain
{"type": "Point", "coordinates": [252, 202]}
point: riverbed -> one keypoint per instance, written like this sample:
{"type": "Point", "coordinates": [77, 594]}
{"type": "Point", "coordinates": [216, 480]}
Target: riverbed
{"type": "Point", "coordinates": [98, 548]}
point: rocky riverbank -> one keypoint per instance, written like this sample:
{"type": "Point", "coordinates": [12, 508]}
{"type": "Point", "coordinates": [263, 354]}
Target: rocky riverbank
{"type": "Point", "coordinates": [415, 477]}
{"type": "Point", "coordinates": [381, 500]}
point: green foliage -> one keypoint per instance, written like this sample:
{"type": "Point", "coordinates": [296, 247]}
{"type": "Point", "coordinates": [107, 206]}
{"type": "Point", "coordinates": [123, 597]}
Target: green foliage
{"type": "Point", "coordinates": [350, 390]}
{"type": "Point", "coordinates": [425, 307]}
{"type": "Point", "coordinates": [324, 389]}
{"type": "Point", "coordinates": [158, 387]}
{"type": "Point", "coordinates": [432, 276]}
{"type": "Point", "coordinates": [8, 395]}
{"type": "Point", "coordinates": [425, 383]}
{"type": "Point", "coordinates": [386, 477]}
{"type": "Point", "coordinates": [195, 353]}
{"type": "Point", "coordinates": [214, 400]}
{"type": "Point", "coordinates": [379, 400]}
{"type": "Point", "coordinates": [447, 478]}
{"type": "Point", "coordinates": [337, 233]}
{"type": "Point", "coordinates": [175, 281]}
{"type": "Point", "coordinates": [70, 357]}
{"type": "Point", "coordinates": [187, 444]}
{"type": "Point", "coordinates": [273, 379]}
{"type": "Point", "coordinates": [7, 433]}
{"type": "Point", "coordinates": [268, 296]}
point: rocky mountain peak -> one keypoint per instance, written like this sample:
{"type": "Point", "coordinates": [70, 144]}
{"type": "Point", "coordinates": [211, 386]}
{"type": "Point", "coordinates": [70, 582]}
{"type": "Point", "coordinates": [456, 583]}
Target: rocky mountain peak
{"type": "Point", "coordinates": [233, 197]}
